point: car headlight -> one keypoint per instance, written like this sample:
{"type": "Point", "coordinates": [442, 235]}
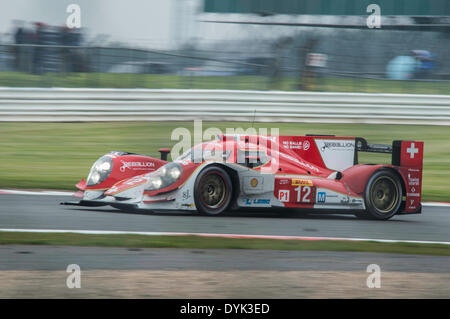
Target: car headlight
{"type": "Point", "coordinates": [164, 176]}
{"type": "Point", "coordinates": [100, 171]}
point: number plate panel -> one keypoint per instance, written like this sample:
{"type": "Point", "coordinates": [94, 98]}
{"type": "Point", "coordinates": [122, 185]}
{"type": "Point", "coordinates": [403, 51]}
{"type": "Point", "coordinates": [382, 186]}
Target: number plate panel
{"type": "Point", "coordinates": [295, 191]}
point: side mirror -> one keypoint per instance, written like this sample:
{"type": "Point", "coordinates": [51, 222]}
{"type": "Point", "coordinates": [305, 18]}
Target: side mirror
{"type": "Point", "coordinates": [164, 152]}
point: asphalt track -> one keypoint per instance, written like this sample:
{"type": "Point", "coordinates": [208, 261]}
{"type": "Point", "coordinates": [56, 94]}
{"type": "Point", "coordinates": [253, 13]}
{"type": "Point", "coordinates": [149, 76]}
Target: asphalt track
{"type": "Point", "coordinates": [23, 257]}
{"type": "Point", "coordinates": [44, 212]}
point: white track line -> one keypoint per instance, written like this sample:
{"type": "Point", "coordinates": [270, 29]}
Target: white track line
{"type": "Point", "coordinates": [67, 193]}
{"type": "Point", "coordinates": [47, 193]}
{"type": "Point", "coordinates": [112, 232]}
{"type": "Point", "coordinates": [435, 204]}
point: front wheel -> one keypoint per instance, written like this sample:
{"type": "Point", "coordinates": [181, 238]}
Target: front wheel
{"type": "Point", "coordinates": [212, 191]}
{"type": "Point", "coordinates": [383, 195]}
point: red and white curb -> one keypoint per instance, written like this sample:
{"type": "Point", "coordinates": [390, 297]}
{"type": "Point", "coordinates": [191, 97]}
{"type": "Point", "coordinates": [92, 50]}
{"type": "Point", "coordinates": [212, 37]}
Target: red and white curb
{"type": "Point", "coordinates": [112, 232]}
{"type": "Point", "coordinates": [67, 193]}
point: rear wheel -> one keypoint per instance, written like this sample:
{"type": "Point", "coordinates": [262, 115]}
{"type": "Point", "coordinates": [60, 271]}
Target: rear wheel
{"type": "Point", "coordinates": [383, 195]}
{"type": "Point", "coordinates": [212, 191]}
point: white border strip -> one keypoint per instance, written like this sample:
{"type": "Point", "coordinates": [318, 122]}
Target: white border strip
{"type": "Point", "coordinates": [113, 232]}
{"type": "Point", "coordinates": [47, 193]}
{"type": "Point", "coordinates": [86, 104]}
{"type": "Point", "coordinates": [435, 204]}
{"type": "Point", "coordinates": [68, 193]}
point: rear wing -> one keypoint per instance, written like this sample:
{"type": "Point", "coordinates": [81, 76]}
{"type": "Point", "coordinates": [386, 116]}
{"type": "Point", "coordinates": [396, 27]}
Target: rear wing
{"type": "Point", "coordinates": [404, 153]}
{"type": "Point", "coordinates": [361, 145]}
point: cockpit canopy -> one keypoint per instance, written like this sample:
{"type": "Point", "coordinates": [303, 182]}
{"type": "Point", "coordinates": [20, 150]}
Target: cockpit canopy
{"type": "Point", "coordinates": [249, 155]}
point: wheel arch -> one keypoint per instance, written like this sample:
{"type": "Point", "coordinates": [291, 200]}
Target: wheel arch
{"type": "Point", "coordinates": [235, 181]}
{"type": "Point", "coordinates": [402, 183]}
{"type": "Point", "coordinates": [358, 176]}
{"type": "Point", "coordinates": [395, 172]}
{"type": "Point", "coordinates": [401, 204]}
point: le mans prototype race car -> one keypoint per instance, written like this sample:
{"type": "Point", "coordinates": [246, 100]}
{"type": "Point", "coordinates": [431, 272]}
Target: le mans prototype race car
{"type": "Point", "coordinates": [237, 171]}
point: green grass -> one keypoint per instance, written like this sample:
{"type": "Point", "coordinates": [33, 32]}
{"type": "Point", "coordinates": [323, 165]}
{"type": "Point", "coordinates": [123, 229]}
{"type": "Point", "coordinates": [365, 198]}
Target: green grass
{"type": "Point", "coordinates": [142, 241]}
{"type": "Point", "coordinates": [157, 81]}
{"type": "Point", "coordinates": [58, 155]}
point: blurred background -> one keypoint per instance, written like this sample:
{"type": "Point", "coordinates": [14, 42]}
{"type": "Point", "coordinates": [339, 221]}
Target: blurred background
{"type": "Point", "coordinates": [49, 138]}
{"type": "Point", "coordinates": [310, 45]}
{"type": "Point", "coordinates": [313, 46]}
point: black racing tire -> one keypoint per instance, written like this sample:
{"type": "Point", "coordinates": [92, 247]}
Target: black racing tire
{"type": "Point", "coordinates": [213, 191]}
{"type": "Point", "coordinates": [383, 195]}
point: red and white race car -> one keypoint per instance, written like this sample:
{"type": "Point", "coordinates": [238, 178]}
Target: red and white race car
{"type": "Point", "coordinates": [236, 171]}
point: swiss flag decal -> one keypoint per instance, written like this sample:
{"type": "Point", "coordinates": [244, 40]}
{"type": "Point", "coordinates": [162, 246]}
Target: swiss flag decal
{"type": "Point", "coordinates": [412, 154]}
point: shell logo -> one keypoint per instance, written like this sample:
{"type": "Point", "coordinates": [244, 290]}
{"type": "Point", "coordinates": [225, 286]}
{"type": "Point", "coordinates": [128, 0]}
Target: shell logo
{"type": "Point", "coordinates": [254, 182]}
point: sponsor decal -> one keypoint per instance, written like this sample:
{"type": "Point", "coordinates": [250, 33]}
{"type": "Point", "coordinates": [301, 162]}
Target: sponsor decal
{"type": "Point", "coordinates": [283, 195]}
{"type": "Point", "coordinates": [412, 150]}
{"type": "Point", "coordinates": [337, 144]}
{"type": "Point", "coordinates": [413, 195]}
{"type": "Point", "coordinates": [136, 165]}
{"type": "Point", "coordinates": [302, 182]}
{"type": "Point", "coordinates": [284, 181]}
{"type": "Point", "coordinates": [293, 144]}
{"type": "Point", "coordinates": [356, 201]}
{"type": "Point", "coordinates": [257, 201]}
{"type": "Point", "coordinates": [337, 155]}
{"type": "Point", "coordinates": [306, 145]}
{"type": "Point", "coordinates": [321, 197]}
{"type": "Point", "coordinates": [254, 182]}
{"type": "Point", "coordinates": [413, 181]}
{"type": "Point", "coordinates": [412, 204]}
{"type": "Point", "coordinates": [186, 195]}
